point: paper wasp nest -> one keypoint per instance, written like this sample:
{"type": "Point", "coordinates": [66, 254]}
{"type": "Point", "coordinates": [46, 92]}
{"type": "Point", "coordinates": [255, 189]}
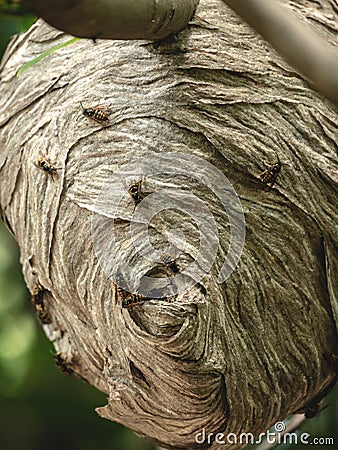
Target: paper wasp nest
{"type": "Point", "coordinates": [181, 273]}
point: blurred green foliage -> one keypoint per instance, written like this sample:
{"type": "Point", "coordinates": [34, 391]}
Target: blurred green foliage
{"type": "Point", "coordinates": [39, 406]}
{"type": "Point", "coordinates": [15, 17]}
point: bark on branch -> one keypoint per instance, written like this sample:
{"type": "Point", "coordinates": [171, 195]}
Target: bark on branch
{"type": "Point", "coordinates": [228, 357]}
{"type": "Point", "coordinates": [117, 19]}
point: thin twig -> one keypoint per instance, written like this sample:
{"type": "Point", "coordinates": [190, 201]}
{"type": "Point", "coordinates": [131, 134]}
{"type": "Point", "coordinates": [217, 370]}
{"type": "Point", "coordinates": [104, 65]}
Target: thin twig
{"type": "Point", "coordinates": [295, 41]}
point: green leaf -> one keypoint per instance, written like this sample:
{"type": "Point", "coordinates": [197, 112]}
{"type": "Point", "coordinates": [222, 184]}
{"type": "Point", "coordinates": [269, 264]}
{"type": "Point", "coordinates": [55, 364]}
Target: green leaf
{"type": "Point", "coordinates": [44, 54]}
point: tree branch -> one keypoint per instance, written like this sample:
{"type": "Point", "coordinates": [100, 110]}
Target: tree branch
{"type": "Point", "coordinates": [148, 19]}
{"type": "Point", "coordinates": [296, 42]}
{"type": "Point", "coordinates": [117, 19]}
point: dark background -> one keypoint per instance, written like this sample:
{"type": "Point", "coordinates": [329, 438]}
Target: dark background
{"type": "Point", "coordinates": [40, 407]}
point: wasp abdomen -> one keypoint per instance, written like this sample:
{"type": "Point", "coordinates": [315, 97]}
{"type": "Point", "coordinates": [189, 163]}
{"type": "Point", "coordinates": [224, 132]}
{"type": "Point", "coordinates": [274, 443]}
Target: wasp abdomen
{"type": "Point", "coordinates": [37, 299]}
{"type": "Point", "coordinates": [96, 114]}
{"type": "Point", "coordinates": [99, 114]}
{"type": "Point", "coordinates": [270, 175]}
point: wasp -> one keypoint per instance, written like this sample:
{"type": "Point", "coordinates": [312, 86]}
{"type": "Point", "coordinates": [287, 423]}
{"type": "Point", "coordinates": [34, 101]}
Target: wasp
{"type": "Point", "coordinates": [62, 364]}
{"type": "Point", "coordinates": [37, 299]}
{"type": "Point", "coordinates": [269, 176]}
{"type": "Point", "coordinates": [47, 165]}
{"type": "Point", "coordinates": [37, 295]}
{"type": "Point", "coordinates": [135, 191]}
{"type": "Point", "coordinates": [98, 113]}
{"type": "Point", "coordinates": [169, 262]}
{"type": "Point", "coordinates": [127, 298]}
{"type": "Point", "coordinates": [132, 300]}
